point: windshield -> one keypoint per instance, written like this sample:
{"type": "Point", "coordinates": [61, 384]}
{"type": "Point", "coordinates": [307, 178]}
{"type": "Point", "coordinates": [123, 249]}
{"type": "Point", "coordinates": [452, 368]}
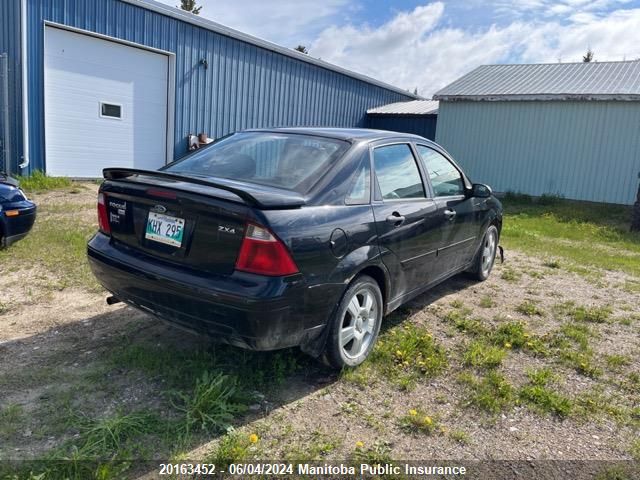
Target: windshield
{"type": "Point", "coordinates": [282, 160]}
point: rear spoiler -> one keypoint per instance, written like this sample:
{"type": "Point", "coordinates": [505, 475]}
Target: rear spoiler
{"type": "Point", "coordinates": [259, 196]}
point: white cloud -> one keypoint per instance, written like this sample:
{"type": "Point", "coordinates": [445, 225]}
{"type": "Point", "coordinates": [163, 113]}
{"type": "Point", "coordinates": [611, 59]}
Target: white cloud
{"type": "Point", "coordinates": [413, 50]}
{"type": "Point", "coordinates": [288, 23]}
{"type": "Point", "coordinates": [425, 47]}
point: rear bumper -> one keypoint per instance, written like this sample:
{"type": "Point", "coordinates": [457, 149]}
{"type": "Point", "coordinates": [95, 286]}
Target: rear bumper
{"type": "Point", "coordinates": [16, 228]}
{"type": "Point", "coordinates": [246, 310]}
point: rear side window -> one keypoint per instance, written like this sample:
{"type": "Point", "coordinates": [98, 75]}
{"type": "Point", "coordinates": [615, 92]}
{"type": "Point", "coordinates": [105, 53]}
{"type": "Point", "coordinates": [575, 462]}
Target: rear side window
{"type": "Point", "coordinates": [359, 193]}
{"type": "Point", "coordinates": [397, 173]}
{"type": "Point", "coordinates": [445, 178]}
{"type": "Point", "coordinates": [284, 160]}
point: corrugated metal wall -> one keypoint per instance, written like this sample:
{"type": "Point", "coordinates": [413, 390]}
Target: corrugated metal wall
{"type": "Point", "coordinates": [244, 86]}
{"type": "Point", "coordinates": [424, 125]}
{"type": "Point", "coordinates": [10, 45]}
{"type": "Point", "coordinates": [587, 150]}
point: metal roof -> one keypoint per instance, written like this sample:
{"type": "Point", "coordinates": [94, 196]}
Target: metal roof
{"type": "Point", "coordinates": [415, 107]}
{"type": "Point", "coordinates": [548, 81]}
{"type": "Point", "coordinates": [170, 11]}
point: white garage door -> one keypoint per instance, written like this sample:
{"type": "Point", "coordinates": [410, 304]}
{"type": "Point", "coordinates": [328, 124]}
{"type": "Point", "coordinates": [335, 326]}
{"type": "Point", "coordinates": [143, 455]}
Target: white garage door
{"type": "Point", "coordinates": [105, 105]}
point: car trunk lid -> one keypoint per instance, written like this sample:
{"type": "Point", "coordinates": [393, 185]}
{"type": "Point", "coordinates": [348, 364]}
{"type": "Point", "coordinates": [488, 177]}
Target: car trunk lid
{"type": "Point", "coordinates": [195, 222]}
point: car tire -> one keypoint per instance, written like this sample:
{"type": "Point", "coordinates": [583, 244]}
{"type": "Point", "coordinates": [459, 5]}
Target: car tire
{"type": "Point", "coordinates": [486, 256]}
{"type": "Point", "coordinates": [354, 328]}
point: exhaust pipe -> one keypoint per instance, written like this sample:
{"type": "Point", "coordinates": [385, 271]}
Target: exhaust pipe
{"type": "Point", "coordinates": [112, 300]}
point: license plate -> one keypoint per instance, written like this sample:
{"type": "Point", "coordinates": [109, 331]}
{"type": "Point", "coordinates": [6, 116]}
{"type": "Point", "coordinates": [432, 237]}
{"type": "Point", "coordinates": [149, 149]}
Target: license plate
{"type": "Point", "coordinates": [165, 229]}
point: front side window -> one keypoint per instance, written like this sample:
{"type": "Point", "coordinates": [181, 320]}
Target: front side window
{"type": "Point", "coordinates": [445, 178]}
{"type": "Point", "coordinates": [282, 160]}
{"type": "Point", "coordinates": [397, 173]}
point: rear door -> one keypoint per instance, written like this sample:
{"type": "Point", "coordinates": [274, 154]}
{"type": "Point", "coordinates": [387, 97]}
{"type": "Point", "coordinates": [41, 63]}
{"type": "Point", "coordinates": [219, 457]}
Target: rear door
{"type": "Point", "coordinates": [406, 218]}
{"type": "Point", "coordinates": [455, 210]}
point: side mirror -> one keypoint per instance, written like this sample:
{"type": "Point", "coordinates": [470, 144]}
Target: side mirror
{"type": "Point", "coordinates": [481, 190]}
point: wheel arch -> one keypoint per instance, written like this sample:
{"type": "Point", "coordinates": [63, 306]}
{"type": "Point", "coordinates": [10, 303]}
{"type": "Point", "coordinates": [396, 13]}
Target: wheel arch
{"type": "Point", "coordinates": [380, 276]}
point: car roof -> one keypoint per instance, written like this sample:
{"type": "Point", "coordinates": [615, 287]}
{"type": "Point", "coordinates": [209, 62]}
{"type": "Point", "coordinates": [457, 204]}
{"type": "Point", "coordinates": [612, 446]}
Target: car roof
{"type": "Point", "coordinates": [350, 134]}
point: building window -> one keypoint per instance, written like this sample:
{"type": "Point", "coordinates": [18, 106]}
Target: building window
{"type": "Point", "coordinates": [110, 110]}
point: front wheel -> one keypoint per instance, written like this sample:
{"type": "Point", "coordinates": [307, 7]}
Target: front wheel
{"type": "Point", "coordinates": [355, 325]}
{"type": "Point", "coordinates": [486, 256]}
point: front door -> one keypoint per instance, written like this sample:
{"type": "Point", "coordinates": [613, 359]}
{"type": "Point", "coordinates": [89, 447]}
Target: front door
{"type": "Point", "coordinates": [456, 211]}
{"type": "Point", "coordinates": [406, 220]}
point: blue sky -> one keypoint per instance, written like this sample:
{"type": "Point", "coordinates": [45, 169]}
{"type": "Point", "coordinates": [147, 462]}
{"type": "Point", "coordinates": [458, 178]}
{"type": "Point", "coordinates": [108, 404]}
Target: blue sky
{"type": "Point", "coordinates": [428, 44]}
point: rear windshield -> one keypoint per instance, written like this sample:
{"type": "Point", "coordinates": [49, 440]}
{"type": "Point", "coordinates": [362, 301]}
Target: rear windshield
{"type": "Point", "coordinates": [290, 161]}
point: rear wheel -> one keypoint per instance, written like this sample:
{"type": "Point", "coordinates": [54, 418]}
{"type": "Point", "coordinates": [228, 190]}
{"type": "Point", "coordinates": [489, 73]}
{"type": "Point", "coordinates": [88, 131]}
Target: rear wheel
{"type": "Point", "coordinates": [355, 325]}
{"type": "Point", "coordinates": [486, 256]}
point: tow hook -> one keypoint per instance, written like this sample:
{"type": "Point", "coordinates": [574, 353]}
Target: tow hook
{"type": "Point", "coordinates": [501, 253]}
{"type": "Point", "coordinates": [112, 300]}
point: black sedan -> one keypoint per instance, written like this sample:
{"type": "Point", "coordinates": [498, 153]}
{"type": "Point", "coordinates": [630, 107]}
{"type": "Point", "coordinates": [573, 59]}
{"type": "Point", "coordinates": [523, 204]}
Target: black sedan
{"type": "Point", "coordinates": [17, 213]}
{"type": "Point", "coordinates": [305, 237]}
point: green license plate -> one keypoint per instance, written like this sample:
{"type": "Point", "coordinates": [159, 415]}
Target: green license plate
{"type": "Point", "coordinates": [165, 229]}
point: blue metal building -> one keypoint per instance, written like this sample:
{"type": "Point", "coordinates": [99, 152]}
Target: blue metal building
{"type": "Point", "coordinates": [417, 116]}
{"type": "Point", "coordinates": [563, 129]}
{"type": "Point", "coordinates": [90, 81]}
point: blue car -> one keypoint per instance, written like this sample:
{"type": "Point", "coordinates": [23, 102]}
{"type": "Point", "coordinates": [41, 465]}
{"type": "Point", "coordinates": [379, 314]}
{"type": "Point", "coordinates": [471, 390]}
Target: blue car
{"type": "Point", "coordinates": [17, 213]}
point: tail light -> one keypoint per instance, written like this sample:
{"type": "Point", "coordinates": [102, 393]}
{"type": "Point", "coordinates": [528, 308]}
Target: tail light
{"type": "Point", "coordinates": [264, 254]}
{"type": "Point", "coordinates": [103, 216]}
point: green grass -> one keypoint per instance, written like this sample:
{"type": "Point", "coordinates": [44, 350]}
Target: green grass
{"type": "Point", "coordinates": [491, 393]}
{"type": "Point", "coordinates": [510, 275]}
{"type": "Point", "coordinates": [417, 420]}
{"type": "Point", "coordinates": [634, 449]}
{"type": "Point", "coordinates": [234, 447]}
{"type": "Point", "coordinates": [481, 354]}
{"type": "Point", "coordinates": [378, 453]}
{"type": "Point", "coordinates": [578, 233]}
{"type": "Point", "coordinates": [615, 362]}
{"type": "Point", "coordinates": [530, 309]}
{"type": "Point", "coordinates": [406, 354]}
{"type": "Point", "coordinates": [462, 320]}
{"type": "Point", "coordinates": [213, 404]}
{"type": "Point", "coordinates": [10, 419]}
{"type": "Point", "coordinates": [316, 448]}
{"type": "Point", "coordinates": [541, 397]}
{"type": "Point", "coordinates": [460, 436]}
{"type": "Point", "coordinates": [591, 314]}
{"type": "Point", "coordinates": [487, 302]}
{"type": "Point", "coordinates": [60, 246]}
{"type": "Point", "coordinates": [514, 335]}
{"type": "Point", "coordinates": [39, 182]}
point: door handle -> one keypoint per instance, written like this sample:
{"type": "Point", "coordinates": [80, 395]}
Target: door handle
{"type": "Point", "coordinates": [450, 214]}
{"type": "Point", "coordinates": [396, 219]}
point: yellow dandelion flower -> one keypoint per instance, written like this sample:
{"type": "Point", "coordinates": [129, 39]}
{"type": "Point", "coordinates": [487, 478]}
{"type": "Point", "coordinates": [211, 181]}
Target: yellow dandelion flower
{"type": "Point", "coordinates": [359, 444]}
{"type": "Point", "coordinates": [398, 353]}
{"type": "Point", "coordinates": [253, 438]}
{"type": "Point", "coordinates": [507, 345]}
{"type": "Point", "coordinates": [427, 420]}
{"type": "Point", "coordinates": [413, 412]}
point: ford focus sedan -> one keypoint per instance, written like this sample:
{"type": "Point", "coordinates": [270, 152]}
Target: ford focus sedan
{"type": "Point", "coordinates": [268, 239]}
